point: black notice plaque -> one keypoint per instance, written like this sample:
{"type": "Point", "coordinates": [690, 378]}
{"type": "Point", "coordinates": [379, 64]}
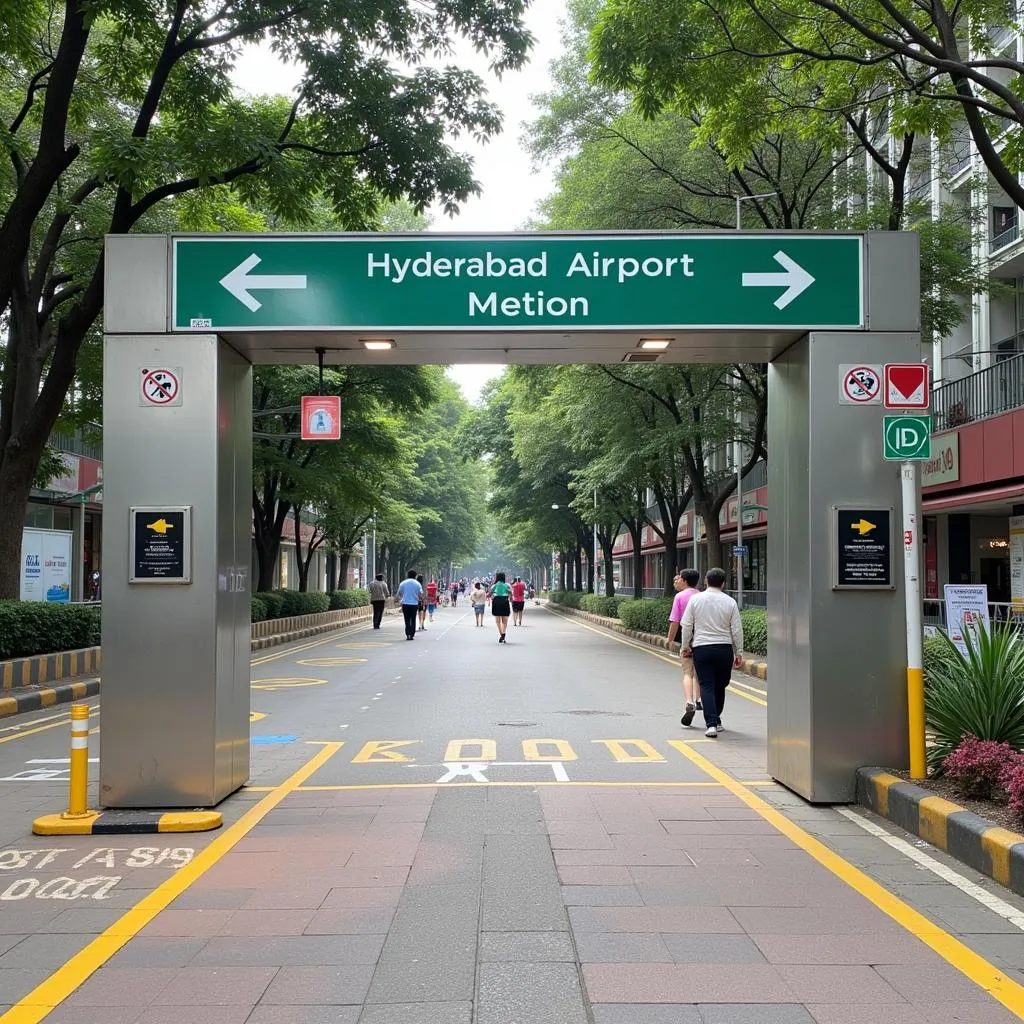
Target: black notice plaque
{"type": "Point", "coordinates": [862, 556]}
{"type": "Point", "coordinates": [161, 538]}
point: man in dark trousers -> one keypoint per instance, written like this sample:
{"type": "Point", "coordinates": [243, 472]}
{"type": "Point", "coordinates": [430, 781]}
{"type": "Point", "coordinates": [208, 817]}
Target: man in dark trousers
{"type": "Point", "coordinates": [379, 594]}
{"type": "Point", "coordinates": [713, 633]}
{"type": "Point", "coordinates": [409, 594]}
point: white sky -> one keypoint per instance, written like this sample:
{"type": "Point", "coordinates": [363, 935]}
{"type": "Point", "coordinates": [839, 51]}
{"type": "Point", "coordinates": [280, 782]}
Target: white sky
{"type": "Point", "coordinates": [510, 188]}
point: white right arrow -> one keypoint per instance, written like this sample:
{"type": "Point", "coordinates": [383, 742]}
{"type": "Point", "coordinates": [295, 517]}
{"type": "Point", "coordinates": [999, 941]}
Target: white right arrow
{"type": "Point", "coordinates": [795, 280]}
{"type": "Point", "coordinates": [239, 282]}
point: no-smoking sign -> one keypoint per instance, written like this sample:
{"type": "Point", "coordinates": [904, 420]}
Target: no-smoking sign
{"type": "Point", "coordinates": [860, 384]}
{"type": "Point", "coordinates": [160, 386]}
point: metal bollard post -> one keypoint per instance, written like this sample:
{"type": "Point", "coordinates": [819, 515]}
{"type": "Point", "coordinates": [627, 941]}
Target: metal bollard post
{"type": "Point", "coordinates": [78, 797]}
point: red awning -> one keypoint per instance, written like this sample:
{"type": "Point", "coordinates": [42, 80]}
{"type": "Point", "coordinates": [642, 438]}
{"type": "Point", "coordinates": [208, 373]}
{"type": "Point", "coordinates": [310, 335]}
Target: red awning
{"type": "Point", "coordinates": [943, 502]}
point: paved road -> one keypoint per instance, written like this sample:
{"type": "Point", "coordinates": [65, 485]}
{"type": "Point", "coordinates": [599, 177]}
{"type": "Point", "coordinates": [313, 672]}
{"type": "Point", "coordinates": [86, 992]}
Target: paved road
{"type": "Point", "coordinates": [453, 831]}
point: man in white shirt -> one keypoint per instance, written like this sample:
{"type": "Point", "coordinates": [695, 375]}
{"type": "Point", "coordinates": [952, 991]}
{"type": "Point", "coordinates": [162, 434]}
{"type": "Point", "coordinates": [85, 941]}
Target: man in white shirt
{"type": "Point", "coordinates": [713, 632]}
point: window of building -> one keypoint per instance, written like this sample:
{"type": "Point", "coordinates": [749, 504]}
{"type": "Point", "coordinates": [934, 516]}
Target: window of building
{"type": "Point", "coordinates": [1003, 219]}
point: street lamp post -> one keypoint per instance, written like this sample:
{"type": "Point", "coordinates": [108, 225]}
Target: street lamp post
{"type": "Point", "coordinates": [740, 199]}
{"type": "Point", "coordinates": [596, 588]}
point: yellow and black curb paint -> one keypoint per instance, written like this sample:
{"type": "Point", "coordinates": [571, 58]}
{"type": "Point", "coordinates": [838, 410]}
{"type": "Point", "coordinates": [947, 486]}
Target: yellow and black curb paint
{"type": "Point", "coordinates": [968, 837]}
{"type": "Point", "coordinates": [48, 668]}
{"type": "Point", "coordinates": [121, 823]}
{"type": "Point", "coordinates": [47, 696]}
{"type": "Point", "coordinates": [759, 669]}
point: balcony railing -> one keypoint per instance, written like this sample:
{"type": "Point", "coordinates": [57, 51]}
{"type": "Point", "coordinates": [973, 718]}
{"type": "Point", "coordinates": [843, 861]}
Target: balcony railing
{"type": "Point", "coordinates": [1004, 238]}
{"type": "Point", "coordinates": [997, 389]}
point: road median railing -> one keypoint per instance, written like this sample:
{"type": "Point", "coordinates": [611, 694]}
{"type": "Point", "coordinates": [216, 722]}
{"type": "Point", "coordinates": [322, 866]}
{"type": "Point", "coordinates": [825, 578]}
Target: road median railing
{"type": "Point", "coordinates": [28, 684]}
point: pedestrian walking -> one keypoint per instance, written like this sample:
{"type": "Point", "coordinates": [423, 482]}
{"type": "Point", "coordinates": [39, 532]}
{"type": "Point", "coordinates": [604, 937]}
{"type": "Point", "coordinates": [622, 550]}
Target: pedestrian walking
{"type": "Point", "coordinates": [686, 588]}
{"type": "Point", "coordinates": [500, 609]}
{"type": "Point", "coordinates": [713, 633]}
{"type": "Point", "coordinates": [454, 591]}
{"type": "Point", "coordinates": [379, 594]}
{"type": "Point", "coordinates": [410, 592]}
{"type": "Point", "coordinates": [478, 599]}
{"type": "Point", "coordinates": [518, 600]}
{"type": "Point", "coordinates": [431, 598]}
{"type": "Point", "coordinates": [422, 612]}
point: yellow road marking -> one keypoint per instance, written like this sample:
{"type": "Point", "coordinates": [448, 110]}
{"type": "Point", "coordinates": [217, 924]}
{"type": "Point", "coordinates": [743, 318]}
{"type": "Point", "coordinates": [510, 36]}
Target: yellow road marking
{"type": "Point", "coordinates": [964, 959]}
{"type": "Point", "coordinates": [486, 750]}
{"type": "Point", "coordinates": [330, 662]}
{"type": "Point", "coordinates": [256, 716]}
{"type": "Point", "coordinates": [51, 993]}
{"type": "Point", "coordinates": [285, 683]}
{"type": "Point", "coordinates": [643, 752]}
{"type": "Point", "coordinates": [466, 785]}
{"type": "Point", "coordinates": [660, 657]}
{"type": "Point", "coordinates": [753, 689]}
{"type": "Point", "coordinates": [42, 728]}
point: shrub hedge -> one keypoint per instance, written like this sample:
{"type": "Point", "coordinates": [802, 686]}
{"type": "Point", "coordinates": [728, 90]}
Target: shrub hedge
{"type": "Point", "coordinates": [755, 630]}
{"type": "Point", "coordinates": [648, 615]}
{"type": "Point", "coordinates": [38, 627]}
{"type": "Point", "coordinates": [257, 609]}
{"type": "Point", "coordinates": [273, 601]}
{"type": "Point", "coordinates": [357, 597]}
{"type": "Point", "coordinates": [569, 598]}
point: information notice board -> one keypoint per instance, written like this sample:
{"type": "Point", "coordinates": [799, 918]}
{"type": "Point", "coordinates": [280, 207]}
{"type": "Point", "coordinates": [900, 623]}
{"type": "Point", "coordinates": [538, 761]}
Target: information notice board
{"type": "Point", "coordinates": [161, 539]}
{"type": "Point", "coordinates": [862, 548]}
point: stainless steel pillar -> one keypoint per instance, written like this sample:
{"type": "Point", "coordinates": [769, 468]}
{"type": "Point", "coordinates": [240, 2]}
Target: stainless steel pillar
{"type": "Point", "coordinates": [838, 657]}
{"type": "Point", "coordinates": [175, 656]}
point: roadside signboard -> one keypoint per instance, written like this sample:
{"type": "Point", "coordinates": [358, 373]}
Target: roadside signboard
{"type": "Point", "coordinates": [321, 417]}
{"type": "Point", "coordinates": [161, 544]}
{"type": "Point", "coordinates": [906, 386]}
{"type": "Point", "coordinates": [860, 384]}
{"type": "Point", "coordinates": [907, 438]}
{"type": "Point", "coordinates": [517, 282]}
{"type": "Point", "coordinates": [862, 548]}
{"type": "Point", "coordinates": [966, 609]}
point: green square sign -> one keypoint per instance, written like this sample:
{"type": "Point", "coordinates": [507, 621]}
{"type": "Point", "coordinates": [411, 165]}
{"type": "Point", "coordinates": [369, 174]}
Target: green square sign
{"type": "Point", "coordinates": [907, 438]}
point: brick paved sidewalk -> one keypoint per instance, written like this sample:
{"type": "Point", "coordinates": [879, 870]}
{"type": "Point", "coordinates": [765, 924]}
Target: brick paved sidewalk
{"type": "Point", "coordinates": [490, 905]}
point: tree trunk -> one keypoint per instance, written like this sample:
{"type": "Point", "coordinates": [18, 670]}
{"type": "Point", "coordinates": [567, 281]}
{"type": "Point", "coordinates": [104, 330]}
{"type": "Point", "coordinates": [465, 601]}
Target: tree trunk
{"type": "Point", "coordinates": [267, 551]}
{"type": "Point", "coordinates": [636, 533]}
{"type": "Point", "coordinates": [609, 567]}
{"type": "Point", "coordinates": [562, 581]}
{"type": "Point", "coordinates": [712, 530]}
{"type": "Point", "coordinates": [301, 562]}
{"type": "Point", "coordinates": [671, 538]}
{"type": "Point", "coordinates": [16, 472]}
{"type": "Point", "coordinates": [344, 557]}
{"type": "Point", "coordinates": [577, 568]}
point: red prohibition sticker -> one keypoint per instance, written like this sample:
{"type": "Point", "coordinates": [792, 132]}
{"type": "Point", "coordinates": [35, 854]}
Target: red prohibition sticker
{"type": "Point", "coordinates": [161, 386]}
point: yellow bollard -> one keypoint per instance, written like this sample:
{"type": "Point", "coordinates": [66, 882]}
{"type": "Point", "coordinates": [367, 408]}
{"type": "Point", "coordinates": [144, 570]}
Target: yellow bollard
{"type": "Point", "coordinates": [78, 797]}
{"type": "Point", "coordinates": [915, 719]}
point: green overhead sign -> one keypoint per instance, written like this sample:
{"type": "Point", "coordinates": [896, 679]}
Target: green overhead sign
{"type": "Point", "coordinates": [434, 282]}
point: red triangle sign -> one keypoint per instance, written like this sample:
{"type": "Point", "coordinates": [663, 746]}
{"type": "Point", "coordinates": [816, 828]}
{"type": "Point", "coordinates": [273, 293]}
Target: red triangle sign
{"type": "Point", "coordinates": [906, 386]}
{"type": "Point", "coordinates": [906, 379]}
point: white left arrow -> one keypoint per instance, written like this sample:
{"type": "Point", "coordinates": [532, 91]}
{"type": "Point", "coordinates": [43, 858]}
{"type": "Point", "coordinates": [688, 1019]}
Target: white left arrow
{"type": "Point", "coordinates": [240, 282]}
{"type": "Point", "coordinates": [794, 279]}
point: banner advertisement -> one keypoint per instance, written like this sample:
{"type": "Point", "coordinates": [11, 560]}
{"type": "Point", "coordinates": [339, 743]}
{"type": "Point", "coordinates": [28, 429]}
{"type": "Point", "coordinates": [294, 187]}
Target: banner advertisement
{"type": "Point", "coordinates": [966, 607]}
{"type": "Point", "coordinates": [1017, 562]}
{"type": "Point", "coordinates": [46, 565]}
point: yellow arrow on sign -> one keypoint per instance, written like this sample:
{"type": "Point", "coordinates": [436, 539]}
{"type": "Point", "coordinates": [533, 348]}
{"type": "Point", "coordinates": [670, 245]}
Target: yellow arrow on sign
{"type": "Point", "coordinates": [160, 526]}
{"type": "Point", "coordinates": [862, 526]}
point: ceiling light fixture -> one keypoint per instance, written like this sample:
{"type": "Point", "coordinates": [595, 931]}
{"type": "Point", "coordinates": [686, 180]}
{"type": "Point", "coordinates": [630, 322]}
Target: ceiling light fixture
{"type": "Point", "coordinates": [654, 344]}
{"type": "Point", "coordinates": [377, 344]}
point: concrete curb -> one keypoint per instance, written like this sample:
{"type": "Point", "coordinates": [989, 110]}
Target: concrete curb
{"type": "Point", "coordinates": [971, 839]}
{"type": "Point", "coordinates": [48, 668]}
{"type": "Point", "coordinates": [127, 822]}
{"type": "Point", "coordinates": [759, 669]}
{"type": "Point", "coordinates": [47, 696]}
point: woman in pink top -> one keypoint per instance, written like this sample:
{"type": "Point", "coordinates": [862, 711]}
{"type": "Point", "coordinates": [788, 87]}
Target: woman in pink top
{"type": "Point", "coordinates": [686, 586]}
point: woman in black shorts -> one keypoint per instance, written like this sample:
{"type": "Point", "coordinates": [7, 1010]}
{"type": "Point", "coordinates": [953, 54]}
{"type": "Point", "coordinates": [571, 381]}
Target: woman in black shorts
{"type": "Point", "coordinates": [500, 605]}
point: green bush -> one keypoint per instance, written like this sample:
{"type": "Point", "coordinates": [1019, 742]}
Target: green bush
{"type": "Point", "coordinates": [647, 615]}
{"type": "Point", "coordinates": [568, 598]}
{"type": "Point", "coordinates": [299, 603]}
{"type": "Point", "coordinates": [755, 630]}
{"type": "Point", "coordinates": [38, 627]}
{"type": "Point", "coordinates": [274, 603]}
{"type": "Point", "coordinates": [357, 597]}
{"type": "Point", "coordinates": [936, 653]}
{"type": "Point", "coordinates": [598, 604]}
{"type": "Point", "coordinates": [257, 609]}
{"type": "Point", "coordinates": [980, 694]}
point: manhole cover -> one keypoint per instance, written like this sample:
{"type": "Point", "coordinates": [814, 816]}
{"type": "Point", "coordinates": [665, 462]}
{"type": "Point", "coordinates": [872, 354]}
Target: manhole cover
{"type": "Point", "coordinates": [518, 725]}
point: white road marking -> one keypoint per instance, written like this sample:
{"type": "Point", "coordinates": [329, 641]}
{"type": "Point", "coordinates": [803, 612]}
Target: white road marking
{"type": "Point", "coordinates": [947, 874]}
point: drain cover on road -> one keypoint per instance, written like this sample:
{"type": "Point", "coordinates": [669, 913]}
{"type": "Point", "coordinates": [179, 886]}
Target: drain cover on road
{"type": "Point", "coordinates": [518, 725]}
